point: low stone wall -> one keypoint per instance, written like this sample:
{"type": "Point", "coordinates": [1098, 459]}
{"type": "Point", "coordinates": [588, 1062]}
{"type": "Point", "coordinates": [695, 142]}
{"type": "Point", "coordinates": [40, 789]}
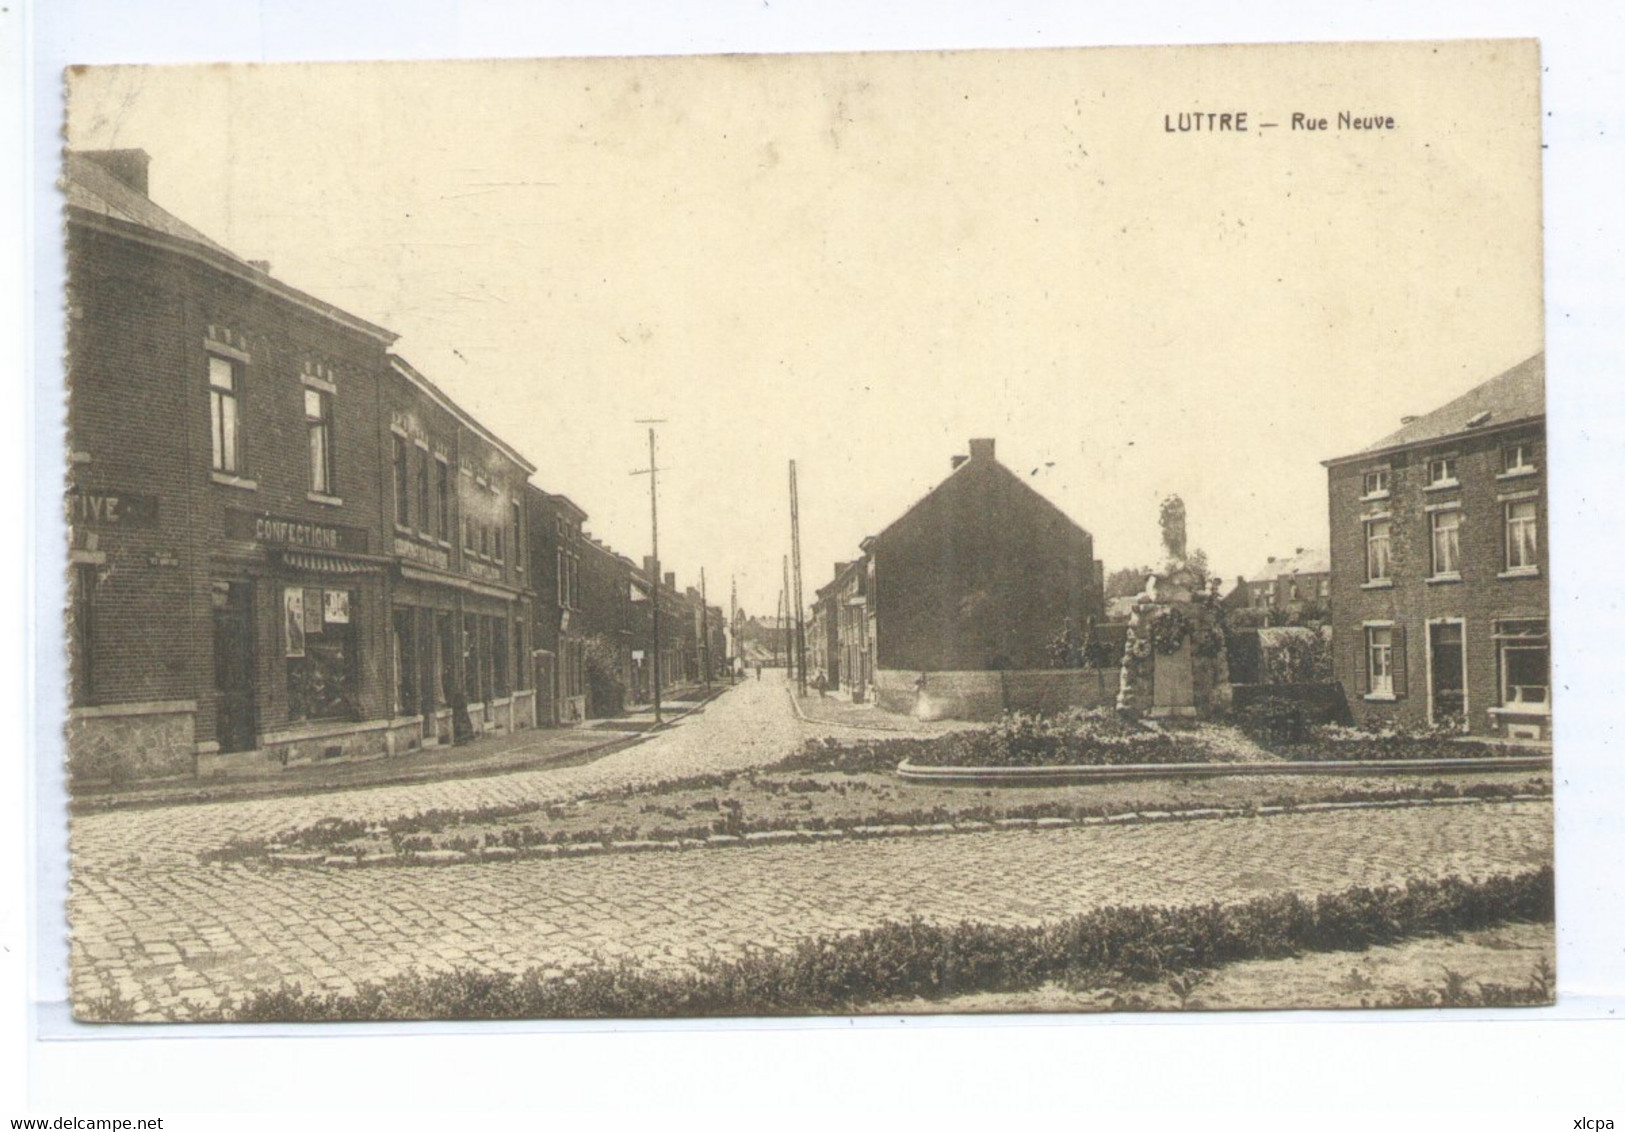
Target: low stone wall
{"type": "Point", "coordinates": [120, 743]}
{"type": "Point", "coordinates": [314, 744]}
{"type": "Point", "coordinates": [988, 695]}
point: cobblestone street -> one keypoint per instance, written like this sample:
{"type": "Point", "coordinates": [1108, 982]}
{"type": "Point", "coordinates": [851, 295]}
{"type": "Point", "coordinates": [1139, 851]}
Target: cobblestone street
{"type": "Point", "coordinates": [154, 926]}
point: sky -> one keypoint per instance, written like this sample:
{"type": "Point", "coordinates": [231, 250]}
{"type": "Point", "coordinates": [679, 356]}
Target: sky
{"type": "Point", "coordinates": [859, 262]}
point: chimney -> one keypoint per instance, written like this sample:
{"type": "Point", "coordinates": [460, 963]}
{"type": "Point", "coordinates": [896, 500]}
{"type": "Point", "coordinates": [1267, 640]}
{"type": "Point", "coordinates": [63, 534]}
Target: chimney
{"type": "Point", "coordinates": [1300, 550]}
{"type": "Point", "coordinates": [982, 449]}
{"type": "Point", "coordinates": [1271, 560]}
{"type": "Point", "coordinates": [649, 568]}
{"type": "Point", "coordinates": [1405, 420]}
{"type": "Point", "coordinates": [128, 166]}
{"type": "Point", "coordinates": [671, 579]}
{"type": "Point", "coordinates": [955, 461]}
{"type": "Point", "coordinates": [263, 266]}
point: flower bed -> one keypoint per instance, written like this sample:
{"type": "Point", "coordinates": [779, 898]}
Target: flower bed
{"type": "Point", "coordinates": [1078, 738]}
{"type": "Point", "coordinates": [933, 961]}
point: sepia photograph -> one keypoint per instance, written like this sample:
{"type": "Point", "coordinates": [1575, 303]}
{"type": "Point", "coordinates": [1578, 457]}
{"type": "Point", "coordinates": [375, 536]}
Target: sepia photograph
{"type": "Point", "coordinates": [1042, 531]}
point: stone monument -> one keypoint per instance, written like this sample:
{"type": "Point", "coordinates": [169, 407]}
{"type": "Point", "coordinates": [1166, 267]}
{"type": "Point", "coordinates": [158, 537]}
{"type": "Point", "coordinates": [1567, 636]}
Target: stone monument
{"type": "Point", "coordinates": [1174, 664]}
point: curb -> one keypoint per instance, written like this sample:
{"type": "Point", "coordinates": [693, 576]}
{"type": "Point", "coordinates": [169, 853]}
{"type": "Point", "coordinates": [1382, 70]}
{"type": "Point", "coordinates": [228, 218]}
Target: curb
{"type": "Point", "coordinates": [555, 851]}
{"type": "Point", "coordinates": [795, 704]}
{"type": "Point", "coordinates": [200, 793]}
{"type": "Point", "coordinates": [1051, 775]}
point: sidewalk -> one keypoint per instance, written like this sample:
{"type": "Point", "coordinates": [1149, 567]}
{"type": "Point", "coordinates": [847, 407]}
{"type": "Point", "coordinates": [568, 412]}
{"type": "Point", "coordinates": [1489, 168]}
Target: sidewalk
{"type": "Point", "coordinates": [837, 710]}
{"type": "Point", "coordinates": [523, 750]}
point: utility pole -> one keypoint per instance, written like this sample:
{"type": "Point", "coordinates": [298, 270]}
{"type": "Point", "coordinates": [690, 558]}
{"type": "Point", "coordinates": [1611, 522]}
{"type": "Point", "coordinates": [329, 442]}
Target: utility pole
{"type": "Point", "coordinates": [733, 628]}
{"type": "Point", "coordinates": [778, 621]}
{"type": "Point", "coordinates": [705, 630]}
{"type": "Point", "coordinates": [795, 550]}
{"type": "Point", "coordinates": [653, 471]}
{"type": "Point", "coordinates": [784, 625]}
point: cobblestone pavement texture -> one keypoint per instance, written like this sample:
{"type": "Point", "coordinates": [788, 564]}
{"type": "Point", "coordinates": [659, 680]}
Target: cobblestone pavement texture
{"type": "Point", "coordinates": [170, 935]}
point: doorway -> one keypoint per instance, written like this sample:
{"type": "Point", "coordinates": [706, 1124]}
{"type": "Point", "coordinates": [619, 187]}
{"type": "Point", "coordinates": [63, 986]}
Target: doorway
{"type": "Point", "coordinates": [234, 722]}
{"type": "Point", "coordinates": [1447, 680]}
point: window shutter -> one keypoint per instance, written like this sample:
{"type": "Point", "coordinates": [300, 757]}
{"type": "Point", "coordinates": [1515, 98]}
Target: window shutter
{"type": "Point", "coordinates": [1362, 647]}
{"type": "Point", "coordinates": [1401, 669]}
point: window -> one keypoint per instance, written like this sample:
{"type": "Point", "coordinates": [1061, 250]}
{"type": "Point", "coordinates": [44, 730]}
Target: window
{"type": "Point", "coordinates": [468, 535]}
{"type": "Point", "coordinates": [1518, 459]}
{"type": "Point", "coordinates": [1523, 654]}
{"type": "Point", "coordinates": [1325, 587]}
{"type": "Point", "coordinates": [498, 548]}
{"type": "Point", "coordinates": [563, 580]}
{"type": "Point", "coordinates": [499, 656]}
{"type": "Point", "coordinates": [1294, 593]}
{"type": "Point", "coordinates": [403, 507]}
{"type": "Point", "coordinates": [1375, 483]}
{"type": "Point", "coordinates": [471, 658]}
{"type": "Point", "coordinates": [224, 414]}
{"type": "Point", "coordinates": [323, 661]}
{"type": "Point", "coordinates": [426, 513]}
{"type": "Point", "coordinates": [1442, 471]}
{"type": "Point", "coordinates": [1379, 645]}
{"type": "Point", "coordinates": [1522, 538]}
{"type": "Point", "coordinates": [442, 489]}
{"type": "Point", "coordinates": [1378, 564]}
{"type": "Point", "coordinates": [319, 426]}
{"type": "Point", "coordinates": [485, 541]}
{"type": "Point", "coordinates": [1446, 543]}
{"type": "Point", "coordinates": [403, 642]}
{"type": "Point", "coordinates": [518, 545]}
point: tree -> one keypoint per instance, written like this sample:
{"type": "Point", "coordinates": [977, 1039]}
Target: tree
{"type": "Point", "coordinates": [1126, 582]}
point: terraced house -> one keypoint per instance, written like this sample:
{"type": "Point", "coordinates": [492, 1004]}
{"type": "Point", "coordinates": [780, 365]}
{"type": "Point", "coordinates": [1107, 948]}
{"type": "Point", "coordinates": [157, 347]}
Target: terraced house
{"type": "Point", "coordinates": [288, 546]}
{"type": "Point", "coordinates": [1439, 584]}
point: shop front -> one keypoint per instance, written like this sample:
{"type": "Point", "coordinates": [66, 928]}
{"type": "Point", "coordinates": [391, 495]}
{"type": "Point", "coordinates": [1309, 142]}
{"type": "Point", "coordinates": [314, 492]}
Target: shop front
{"type": "Point", "coordinates": [296, 634]}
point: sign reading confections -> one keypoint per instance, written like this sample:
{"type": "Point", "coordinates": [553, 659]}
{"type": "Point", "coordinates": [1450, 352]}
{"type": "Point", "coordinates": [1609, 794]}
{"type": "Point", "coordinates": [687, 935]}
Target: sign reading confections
{"type": "Point", "coordinates": [278, 530]}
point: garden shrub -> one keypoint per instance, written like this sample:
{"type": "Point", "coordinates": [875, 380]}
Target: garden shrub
{"type": "Point", "coordinates": [920, 959]}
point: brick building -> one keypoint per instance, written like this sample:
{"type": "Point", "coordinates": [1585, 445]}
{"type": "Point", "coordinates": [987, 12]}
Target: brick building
{"type": "Point", "coordinates": [977, 577]}
{"type": "Point", "coordinates": [461, 598]}
{"type": "Point", "coordinates": [1439, 584]}
{"type": "Point", "coordinates": [556, 542]}
{"type": "Point", "coordinates": [287, 545]}
{"type": "Point", "coordinates": [1291, 584]}
{"type": "Point", "coordinates": [229, 558]}
{"type": "Point", "coordinates": [606, 621]}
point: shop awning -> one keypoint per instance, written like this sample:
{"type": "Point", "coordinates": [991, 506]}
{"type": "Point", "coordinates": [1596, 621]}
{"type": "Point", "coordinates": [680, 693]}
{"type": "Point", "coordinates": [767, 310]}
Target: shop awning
{"type": "Point", "coordinates": [331, 563]}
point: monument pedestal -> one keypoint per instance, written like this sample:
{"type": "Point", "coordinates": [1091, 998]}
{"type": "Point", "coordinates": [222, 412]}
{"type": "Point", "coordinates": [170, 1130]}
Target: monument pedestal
{"type": "Point", "coordinates": [1173, 691]}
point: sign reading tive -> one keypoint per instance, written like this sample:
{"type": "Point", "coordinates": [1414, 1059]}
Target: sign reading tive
{"type": "Point", "coordinates": [275, 530]}
{"type": "Point", "coordinates": [104, 507]}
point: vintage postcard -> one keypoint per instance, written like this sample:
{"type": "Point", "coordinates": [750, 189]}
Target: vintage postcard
{"type": "Point", "coordinates": [966, 532]}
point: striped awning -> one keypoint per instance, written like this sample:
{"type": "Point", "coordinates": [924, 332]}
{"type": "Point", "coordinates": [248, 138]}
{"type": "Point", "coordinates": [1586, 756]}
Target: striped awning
{"type": "Point", "coordinates": [330, 563]}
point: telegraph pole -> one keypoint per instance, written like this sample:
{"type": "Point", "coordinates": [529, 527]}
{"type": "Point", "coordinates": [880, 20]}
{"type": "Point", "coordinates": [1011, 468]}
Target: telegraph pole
{"type": "Point", "coordinates": [795, 550]}
{"type": "Point", "coordinates": [653, 472]}
{"type": "Point", "coordinates": [784, 625]}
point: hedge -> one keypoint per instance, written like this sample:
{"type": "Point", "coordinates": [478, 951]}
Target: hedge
{"type": "Point", "coordinates": [919, 959]}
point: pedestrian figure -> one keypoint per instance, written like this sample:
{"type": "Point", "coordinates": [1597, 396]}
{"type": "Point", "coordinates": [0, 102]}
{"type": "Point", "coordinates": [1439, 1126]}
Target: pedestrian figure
{"type": "Point", "coordinates": [758, 672]}
{"type": "Point", "coordinates": [822, 685]}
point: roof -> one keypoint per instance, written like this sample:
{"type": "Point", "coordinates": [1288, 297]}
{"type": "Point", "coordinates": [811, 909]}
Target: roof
{"type": "Point", "coordinates": [1515, 396]}
{"type": "Point", "coordinates": [979, 461]}
{"type": "Point", "coordinates": [93, 192]}
{"type": "Point", "coordinates": [91, 186]}
{"type": "Point", "coordinates": [401, 366]}
{"type": "Point", "coordinates": [1303, 562]}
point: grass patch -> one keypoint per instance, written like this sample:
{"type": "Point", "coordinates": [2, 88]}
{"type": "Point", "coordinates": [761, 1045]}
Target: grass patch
{"type": "Point", "coordinates": [833, 974]}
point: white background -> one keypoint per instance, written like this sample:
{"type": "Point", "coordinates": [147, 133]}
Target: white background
{"type": "Point", "coordinates": [1532, 1069]}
